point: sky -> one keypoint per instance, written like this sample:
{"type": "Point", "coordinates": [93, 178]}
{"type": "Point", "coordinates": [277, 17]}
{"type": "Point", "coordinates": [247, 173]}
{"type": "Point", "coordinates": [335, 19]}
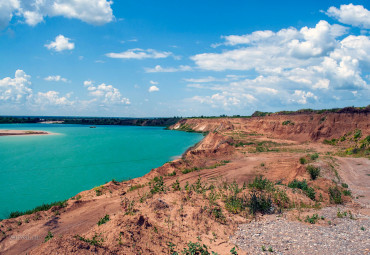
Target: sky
{"type": "Point", "coordinates": [144, 58]}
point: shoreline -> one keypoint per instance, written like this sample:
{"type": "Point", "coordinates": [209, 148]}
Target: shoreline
{"type": "Point", "coordinates": [8, 132]}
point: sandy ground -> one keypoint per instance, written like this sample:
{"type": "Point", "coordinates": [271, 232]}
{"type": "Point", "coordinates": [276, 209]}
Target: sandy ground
{"type": "Point", "coordinates": [5, 132]}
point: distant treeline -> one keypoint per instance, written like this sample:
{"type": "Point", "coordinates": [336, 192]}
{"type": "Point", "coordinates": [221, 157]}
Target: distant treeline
{"type": "Point", "coordinates": [164, 122]}
{"type": "Point", "coordinates": [365, 109]}
{"type": "Point", "coordinates": [11, 120]}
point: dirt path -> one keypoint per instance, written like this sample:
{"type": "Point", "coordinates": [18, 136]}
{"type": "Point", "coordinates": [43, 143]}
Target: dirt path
{"type": "Point", "coordinates": [77, 220]}
{"type": "Point", "coordinates": [356, 173]}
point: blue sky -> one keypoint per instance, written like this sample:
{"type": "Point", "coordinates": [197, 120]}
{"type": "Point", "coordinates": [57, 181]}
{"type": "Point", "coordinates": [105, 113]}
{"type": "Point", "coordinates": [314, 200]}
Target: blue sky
{"type": "Point", "coordinates": [181, 58]}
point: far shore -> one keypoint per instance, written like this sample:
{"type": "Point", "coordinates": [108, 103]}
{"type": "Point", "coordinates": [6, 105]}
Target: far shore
{"type": "Point", "coordinates": [6, 132]}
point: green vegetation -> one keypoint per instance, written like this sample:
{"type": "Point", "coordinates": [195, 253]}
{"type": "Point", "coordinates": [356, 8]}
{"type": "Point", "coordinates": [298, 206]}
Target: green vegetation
{"type": "Point", "coordinates": [176, 185]}
{"type": "Point", "coordinates": [43, 207]}
{"type": "Point", "coordinates": [335, 195]}
{"type": "Point", "coordinates": [313, 219]}
{"type": "Point", "coordinates": [302, 185]}
{"type": "Point", "coordinates": [302, 160]}
{"type": "Point", "coordinates": [172, 174]}
{"type": "Point", "coordinates": [259, 203]}
{"type": "Point", "coordinates": [48, 237]}
{"type": "Point", "coordinates": [313, 171]}
{"type": "Point", "coordinates": [103, 220]}
{"type": "Point", "coordinates": [157, 185]}
{"type": "Point", "coordinates": [347, 192]}
{"type": "Point", "coordinates": [234, 203]}
{"type": "Point", "coordinates": [345, 185]}
{"type": "Point", "coordinates": [331, 142]}
{"type": "Point", "coordinates": [135, 187]}
{"type": "Point", "coordinates": [99, 190]}
{"type": "Point", "coordinates": [97, 240]}
{"type": "Point", "coordinates": [260, 183]}
{"type": "Point", "coordinates": [357, 134]}
{"type": "Point", "coordinates": [314, 156]}
{"type": "Point", "coordinates": [288, 122]}
{"type": "Point", "coordinates": [221, 163]}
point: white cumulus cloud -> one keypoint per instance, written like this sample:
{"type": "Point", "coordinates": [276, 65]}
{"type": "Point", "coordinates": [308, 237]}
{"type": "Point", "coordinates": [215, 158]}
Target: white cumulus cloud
{"type": "Point", "coordinates": [140, 54]}
{"type": "Point", "coordinates": [153, 88]}
{"type": "Point", "coordinates": [96, 12]}
{"type": "Point", "coordinates": [51, 98]}
{"type": "Point", "coordinates": [107, 94]}
{"type": "Point", "coordinates": [160, 69]}
{"type": "Point", "coordinates": [56, 78]}
{"type": "Point", "coordinates": [15, 90]}
{"type": "Point", "coordinates": [354, 15]}
{"type": "Point", "coordinates": [61, 43]}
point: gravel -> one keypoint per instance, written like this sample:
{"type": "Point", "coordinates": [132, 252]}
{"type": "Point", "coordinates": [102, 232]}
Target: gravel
{"type": "Point", "coordinates": [346, 235]}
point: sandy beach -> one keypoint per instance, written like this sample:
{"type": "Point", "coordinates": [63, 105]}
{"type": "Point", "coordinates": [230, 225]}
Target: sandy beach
{"type": "Point", "coordinates": [5, 132]}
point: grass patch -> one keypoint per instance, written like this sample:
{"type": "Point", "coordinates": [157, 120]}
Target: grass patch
{"type": "Point", "coordinates": [43, 207]}
{"type": "Point", "coordinates": [97, 240]}
{"type": "Point", "coordinates": [314, 156]}
{"type": "Point", "coordinates": [331, 142]}
{"type": "Point", "coordinates": [135, 187]}
{"type": "Point", "coordinates": [48, 237]}
{"type": "Point", "coordinates": [335, 195]}
{"type": "Point", "coordinates": [189, 170]}
{"type": "Point", "coordinates": [103, 220]}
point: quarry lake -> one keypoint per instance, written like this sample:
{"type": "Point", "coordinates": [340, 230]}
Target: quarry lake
{"type": "Point", "coordinates": [37, 169]}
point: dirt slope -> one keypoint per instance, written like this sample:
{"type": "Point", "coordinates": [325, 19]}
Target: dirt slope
{"type": "Point", "coordinates": [190, 203]}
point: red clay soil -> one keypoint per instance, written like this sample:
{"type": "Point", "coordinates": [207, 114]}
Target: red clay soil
{"type": "Point", "coordinates": [235, 150]}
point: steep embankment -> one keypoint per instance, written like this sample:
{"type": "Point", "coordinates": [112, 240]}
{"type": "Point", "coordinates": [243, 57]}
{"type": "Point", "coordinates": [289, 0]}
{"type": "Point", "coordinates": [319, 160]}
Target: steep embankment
{"type": "Point", "coordinates": [300, 127]}
{"type": "Point", "coordinates": [201, 198]}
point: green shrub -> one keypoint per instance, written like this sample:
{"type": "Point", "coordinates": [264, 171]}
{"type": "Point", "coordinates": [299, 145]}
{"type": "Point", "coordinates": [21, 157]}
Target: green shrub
{"type": "Point", "coordinates": [330, 142]}
{"type": "Point", "coordinates": [288, 122]}
{"type": "Point", "coordinates": [345, 185]}
{"type": "Point", "coordinates": [314, 156]}
{"type": "Point", "coordinates": [313, 171]}
{"type": "Point", "coordinates": [357, 134]}
{"type": "Point", "coordinates": [176, 185]}
{"type": "Point", "coordinates": [310, 192]}
{"type": "Point", "coordinates": [347, 192]}
{"type": "Point", "coordinates": [260, 183]}
{"type": "Point", "coordinates": [195, 249]}
{"type": "Point", "coordinates": [235, 204]}
{"type": "Point", "coordinates": [313, 219]}
{"type": "Point", "coordinates": [217, 213]}
{"type": "Point", "coordinates": [157, 185]}
{"type": "Point", "coordinates": [48, 237]}
{"type": "Point", "coordinates": [103, 220]}
{"type": "Point", "coordinates": [335, 195]}
{"type": "Point", "coordinates": [94, 241]}
{"type": "Point", "coordinates": [43, 207]}
{"type": "Point", "coordinates": [303, 160]}
{"type": "Point", "coordinates": [172, 174]}
{"type": "Point", "coordinates": [259, 203]}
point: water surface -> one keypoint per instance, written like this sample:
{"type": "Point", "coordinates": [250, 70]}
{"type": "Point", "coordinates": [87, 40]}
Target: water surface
{"type": "Point", "coordinates": [46, 168]}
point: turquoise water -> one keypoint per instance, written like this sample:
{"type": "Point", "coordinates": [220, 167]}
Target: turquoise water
{"type": "Point", "coordinates": [43, 169]}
